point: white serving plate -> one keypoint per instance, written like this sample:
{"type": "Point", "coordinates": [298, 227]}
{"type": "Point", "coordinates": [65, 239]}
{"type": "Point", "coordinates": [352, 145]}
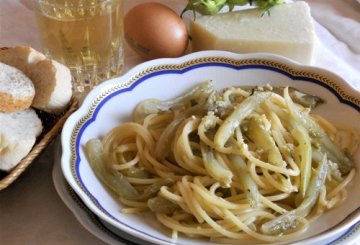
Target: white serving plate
{"type": "Point", "coordinates": [113, 101]}
{"type": "Point", "coordinates": [86, 218]}
{"type": "Point", "coordinates": [111, 235]}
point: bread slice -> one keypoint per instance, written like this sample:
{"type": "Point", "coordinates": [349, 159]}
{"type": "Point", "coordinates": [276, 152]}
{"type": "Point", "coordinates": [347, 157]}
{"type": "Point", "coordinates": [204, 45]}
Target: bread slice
{"type": "Point", "coordinates": [53, 87]}
{"type": "Point", "coordinates": [18, 134]}
{"type": "Point", "coordinates": [21, 57]}
{"type": "Point", "coordinates": [52, 80]}
{"type": "Point", "coordinates": [16, 90]}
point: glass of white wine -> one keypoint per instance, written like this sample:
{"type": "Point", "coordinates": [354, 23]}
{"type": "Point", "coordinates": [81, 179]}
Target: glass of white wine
{"type": "Point", "coordinates": [86, 36]}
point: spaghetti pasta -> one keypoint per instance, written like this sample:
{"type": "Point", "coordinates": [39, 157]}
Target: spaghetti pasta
{"type": "Point", "coordinates": [238, 165]}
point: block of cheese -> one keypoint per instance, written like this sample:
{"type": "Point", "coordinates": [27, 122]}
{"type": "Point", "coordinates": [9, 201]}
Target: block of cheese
{"type": "Point", "coordinates": [287, 30]}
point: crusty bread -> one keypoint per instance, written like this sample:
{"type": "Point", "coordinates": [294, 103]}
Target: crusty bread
{"type": "Point", "coordinates": [16, 90]}
{"type": "Point", "coordinates": [21, 57]}
{"type": "Point", "coordinates": [52, 80]}
{"type": "Point", "coordinates": [18, 134]}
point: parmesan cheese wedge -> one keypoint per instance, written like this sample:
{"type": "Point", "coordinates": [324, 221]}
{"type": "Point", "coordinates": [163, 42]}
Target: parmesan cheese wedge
{"type": "Point", "coordinates": [287, 30]}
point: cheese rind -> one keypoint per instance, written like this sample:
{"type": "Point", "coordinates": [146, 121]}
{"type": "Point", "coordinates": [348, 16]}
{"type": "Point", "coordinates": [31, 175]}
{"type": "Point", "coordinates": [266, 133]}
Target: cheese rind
{"type": "Point", "coordinates": [287, 30]}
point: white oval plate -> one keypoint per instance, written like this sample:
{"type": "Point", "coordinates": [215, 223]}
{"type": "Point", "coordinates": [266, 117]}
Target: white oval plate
{"type": "Point", "coordinates": [86, 218]}
{"type": "Point", "coordinates": [111, 235]}
{"type": "Point", "coordinates": [113, 101]}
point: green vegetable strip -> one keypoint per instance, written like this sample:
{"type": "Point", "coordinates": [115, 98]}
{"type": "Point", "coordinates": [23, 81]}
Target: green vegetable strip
{"type": "Point", "coordinates": [114, 179]}
{"type": "Point", "coordinates": [240, 112]}
{"type": "Point", "coordinates": [290, 219]}
{"type": "Point", "coordinates": [202, 96]}
{"type": "Point", "coordinates": [319, 136]}
{"type": "Point", "coordinates": [214, 168]}
{"type": "Point", "coordinates": [199, 95]}
{"type": "Point", "coordinates": [159, 204]}
{"type": "Point", "coordinates": [136, 172]}
{"type": "Point", "coordinates": [247, 184]}
{"type": "Point", "coordinates": [303, 139]}
{"type": "Point", "coordinates": [299, 97]}
{"type": "Point", "coordinates": [163, 148]}
{"type": "Point", "coordinates": [111, 178]}
{"type": "Point", "coordinates": [153, 189]}
{"type": "Point", "coordinates": [262, 138]}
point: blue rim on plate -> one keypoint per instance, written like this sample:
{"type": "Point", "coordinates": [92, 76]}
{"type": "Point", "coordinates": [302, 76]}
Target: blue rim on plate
{"type": "Point", "coordinates": [143, 72]}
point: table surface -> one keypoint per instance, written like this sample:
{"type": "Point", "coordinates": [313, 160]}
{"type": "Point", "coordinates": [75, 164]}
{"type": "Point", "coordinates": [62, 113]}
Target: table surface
{"type": "Point", "coordinates": [31, 212]}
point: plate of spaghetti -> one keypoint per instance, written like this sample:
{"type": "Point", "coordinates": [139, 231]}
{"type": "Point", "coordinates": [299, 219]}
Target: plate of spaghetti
{"type": "Point", "coordinates": [219, 148]}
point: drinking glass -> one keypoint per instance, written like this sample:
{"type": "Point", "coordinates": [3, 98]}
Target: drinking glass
{"type": "Point", "coordinates": [86, 36]}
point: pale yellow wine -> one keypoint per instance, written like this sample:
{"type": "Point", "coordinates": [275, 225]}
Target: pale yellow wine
{"type": "Point", "coordinates": [86, 39]}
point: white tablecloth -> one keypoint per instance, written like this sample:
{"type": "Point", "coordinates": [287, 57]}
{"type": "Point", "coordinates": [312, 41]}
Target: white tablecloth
{"type": "Point", "coordinates": [31, 211]}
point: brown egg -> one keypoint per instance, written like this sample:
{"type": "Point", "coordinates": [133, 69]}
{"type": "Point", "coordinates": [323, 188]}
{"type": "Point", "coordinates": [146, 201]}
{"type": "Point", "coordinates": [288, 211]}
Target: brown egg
{"type": "Point", "coordinates": [154, 30]}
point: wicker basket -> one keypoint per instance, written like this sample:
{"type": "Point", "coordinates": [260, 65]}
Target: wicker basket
{"type": "Point", "coordinates": [52, 125]}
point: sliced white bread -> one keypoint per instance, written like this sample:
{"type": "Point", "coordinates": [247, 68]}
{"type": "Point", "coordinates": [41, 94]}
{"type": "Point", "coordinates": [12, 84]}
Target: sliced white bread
{"type": "Point", "coordinates": [18, 134]}
{"type": "Point", "coordinates": [21, 57]}
{"type": "Point", "coordinates": [16, 90]}
{"type": "Point", "coordinates": [53, 87]}
{"type": "Point", "coordinates": [52, 80]}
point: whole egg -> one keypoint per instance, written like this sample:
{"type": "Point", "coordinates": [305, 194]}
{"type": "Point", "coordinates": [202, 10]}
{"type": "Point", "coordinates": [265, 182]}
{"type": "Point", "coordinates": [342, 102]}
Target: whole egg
{"type": "Point", "coordinates": [153, 30]}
